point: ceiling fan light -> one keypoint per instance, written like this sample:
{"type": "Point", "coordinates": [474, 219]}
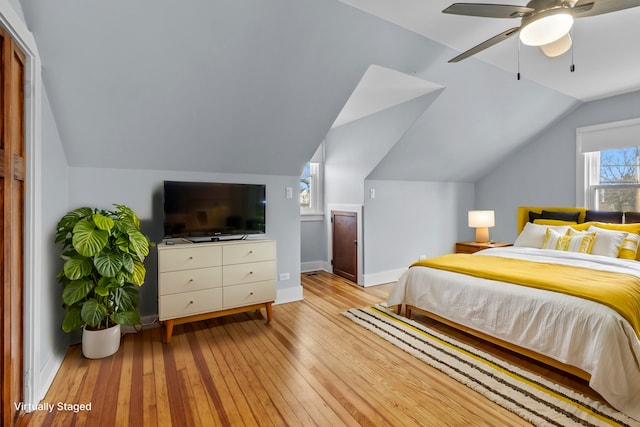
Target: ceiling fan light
{"type": "Point", "coordinates": [557, 47]}
{"type": "Point", "coordinates": [546, 28]}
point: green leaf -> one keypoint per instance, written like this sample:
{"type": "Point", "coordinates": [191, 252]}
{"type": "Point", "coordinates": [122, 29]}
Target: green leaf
{"type": "Point", "coordinates": [77, 267]}
{"type": "Point", "coordinates": [126, 212]}
{"type": "Point", "coordinates": [126, 298]}
{"type": "Point", "coordinates": [139, 273]}
{"type": "Point", "coordinates": [126, 318]}
{"type": "Point", "coordinates": [128, 263]}
{"type": "Point", "coordinates": [108, 263]}
{"type": "Point", "coordinates": [76, 291]}
{"type": "Point", "coordinates": [103, 292]}
{"type": "Point", "coordinates": [139, 244]}
{"type": "Point", "coordinates": [72, 320]}
{"type": "Point", "coordinates": [103, 222]}
{"type": "Point", "coordinates": [122, 242]}
{"type": "Point", "coordinates": [93, 312]}
{"type": "Point", "coordinates": [87, 239]}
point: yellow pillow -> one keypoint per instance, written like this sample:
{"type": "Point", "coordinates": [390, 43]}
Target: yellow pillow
{"type": "Point", "coordinates": [581, 243]}
{"type": "Point", "coordinates": [629, 247]}
{"type": "Point", "coordinates": [583, 226]}
{"type": "Point", "coordinates": [553, 222]}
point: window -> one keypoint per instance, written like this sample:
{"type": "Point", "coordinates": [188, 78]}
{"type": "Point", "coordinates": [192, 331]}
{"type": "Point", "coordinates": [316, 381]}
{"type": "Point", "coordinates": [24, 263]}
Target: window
{"type": "Point", "coordinates": [311, 186]}
{"type": "Point", "coordinates": [309, 183]}
{"type": "Point", "coordinates": [608, 166]}
{"type": "Point", "coordinates": [615, 179]}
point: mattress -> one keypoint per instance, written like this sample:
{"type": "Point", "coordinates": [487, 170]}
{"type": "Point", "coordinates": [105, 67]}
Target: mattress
{"type": "Point", "coordinates": [569, 329]}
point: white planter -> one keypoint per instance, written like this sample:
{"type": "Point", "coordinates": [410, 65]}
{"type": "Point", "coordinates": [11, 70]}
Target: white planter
{"type": "Point", "coordinates": [101, 343]}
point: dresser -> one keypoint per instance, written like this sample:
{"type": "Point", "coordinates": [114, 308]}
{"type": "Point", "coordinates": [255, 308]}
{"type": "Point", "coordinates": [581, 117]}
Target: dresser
{"type": "Point", "coordinates": [198, 281]}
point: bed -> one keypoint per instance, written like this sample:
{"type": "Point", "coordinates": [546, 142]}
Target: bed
{"type": "Point", "coordinates": [587, 325]}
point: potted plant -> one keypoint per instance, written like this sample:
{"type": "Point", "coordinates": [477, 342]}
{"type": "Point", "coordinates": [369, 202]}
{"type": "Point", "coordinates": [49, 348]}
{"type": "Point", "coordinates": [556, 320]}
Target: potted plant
{"type": "Point", "coordinates": [103, 253]}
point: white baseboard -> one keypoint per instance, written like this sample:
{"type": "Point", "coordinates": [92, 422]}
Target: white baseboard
{"type": "Point", "coordinates": [45, 378]}
{"type": "Point", "coordinates": [306, 267]}
{"type": "Point", "coordinates": [291, 294]}
{"type": "Point", "coordinates": [383, 277]}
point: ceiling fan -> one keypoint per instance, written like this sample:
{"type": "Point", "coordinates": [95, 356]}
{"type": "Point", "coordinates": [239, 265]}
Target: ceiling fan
{"type": "Point", "coordinates": [544, 23]}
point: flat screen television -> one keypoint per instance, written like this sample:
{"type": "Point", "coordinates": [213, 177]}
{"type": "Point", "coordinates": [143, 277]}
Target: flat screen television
{"type": "Point", "coordinates": [208, 210]}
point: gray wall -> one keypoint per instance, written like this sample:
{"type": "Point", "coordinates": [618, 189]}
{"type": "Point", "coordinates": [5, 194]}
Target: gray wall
{"type": "Point", "coordinates": [51, 342]}
{"type": "Point", "coordinates": [313, 243]}
{"type": "Point", "coordinates": [408, 219]}
{"type": "Point", "coordinates": [142, 191]}
{"type": "Point", "coordinates": [544, 171]}
{"type": "Point", "coordinates": [353, 150]}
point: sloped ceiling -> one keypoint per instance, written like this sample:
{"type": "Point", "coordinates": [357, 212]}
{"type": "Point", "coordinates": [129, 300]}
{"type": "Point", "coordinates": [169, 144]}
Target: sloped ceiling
{"type": "Point", "coordinates": [380, 89]}
{"type": "Point", "coordinates": [250, 86]}
{"type": "Point", "coordinates": [604, 45]}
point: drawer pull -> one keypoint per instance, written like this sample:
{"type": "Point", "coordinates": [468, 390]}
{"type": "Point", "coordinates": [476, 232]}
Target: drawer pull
{"type": "Point", "coordinates": [190, 302]}
{"type": "Point", "coordinates": [251, 272]}
{"type": "Point", "coordinates": [250, 293]}
{"type": "Point", "coordinates": [190, 280]}
{"type": "Point", "coordinates": [190, 257]}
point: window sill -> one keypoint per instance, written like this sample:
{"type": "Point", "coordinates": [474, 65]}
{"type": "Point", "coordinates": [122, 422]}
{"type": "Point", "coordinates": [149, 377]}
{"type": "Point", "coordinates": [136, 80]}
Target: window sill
{"type": "Point", "coordinates": [311, 217]}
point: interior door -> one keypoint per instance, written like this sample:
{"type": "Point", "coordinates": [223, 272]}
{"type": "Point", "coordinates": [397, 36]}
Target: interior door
{"type": "Point", "coordinates": [12, 187]}
{"type": "Point", "coordinates": [345, 244]}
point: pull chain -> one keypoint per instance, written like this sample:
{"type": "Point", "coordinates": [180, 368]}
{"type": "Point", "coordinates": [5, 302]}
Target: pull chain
{"type": "Point", "coordinates": [572, 67]}
{"type": "Point", "coordinates": [518, 58]}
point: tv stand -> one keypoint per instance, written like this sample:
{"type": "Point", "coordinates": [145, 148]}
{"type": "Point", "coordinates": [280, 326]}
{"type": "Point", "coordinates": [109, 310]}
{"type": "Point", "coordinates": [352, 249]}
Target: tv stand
{"type": "Point", "coordinates": [207, 280]}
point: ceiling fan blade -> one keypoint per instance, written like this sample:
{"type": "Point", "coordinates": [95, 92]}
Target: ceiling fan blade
{"type": "Point", "coordinates": [486, 44]}
{"type": "Point", "coordinates": [603, 6]}
{"type": "Point", "coordinates": [489, 10]}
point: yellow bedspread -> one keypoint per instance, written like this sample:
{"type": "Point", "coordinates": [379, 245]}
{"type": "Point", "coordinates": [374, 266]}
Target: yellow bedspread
{"type": "Point", "coordinates": [618, 291]}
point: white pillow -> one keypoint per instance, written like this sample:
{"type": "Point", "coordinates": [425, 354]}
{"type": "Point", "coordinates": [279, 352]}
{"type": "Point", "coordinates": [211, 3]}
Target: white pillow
{"type": "Point", "coordinates": [579, 242]}
{"type": "Point", "coordinates": [532, 235]}
{"type": "Point", "coordinates": [607, 242]}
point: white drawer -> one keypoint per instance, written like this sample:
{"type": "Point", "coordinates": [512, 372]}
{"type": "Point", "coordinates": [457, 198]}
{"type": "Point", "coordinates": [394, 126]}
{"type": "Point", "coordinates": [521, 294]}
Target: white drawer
{"type": "Point", "coordinates": [189, 303]}
{"type": "Point", "coordinates": [249, 252]}
{"type": "Point", "coordinates": [246, 273]}
{"type": "Point", "coordinates": [249, 293]}
{"type": "Point", "coordinates": [188, 257]}
{"type": "Point", "coordinates": [172, 282]}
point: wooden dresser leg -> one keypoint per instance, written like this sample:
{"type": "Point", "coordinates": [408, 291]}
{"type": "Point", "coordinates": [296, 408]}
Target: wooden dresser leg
{"type": "Point", "coordinates": [407, 312]}
{"type": "Point", "coordinates": [168, 330]}
{"type": "Point", "coordinates": [268, 307]}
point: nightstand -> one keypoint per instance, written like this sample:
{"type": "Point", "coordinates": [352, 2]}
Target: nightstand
{"type": "Point", "coordinates": [471, 247]}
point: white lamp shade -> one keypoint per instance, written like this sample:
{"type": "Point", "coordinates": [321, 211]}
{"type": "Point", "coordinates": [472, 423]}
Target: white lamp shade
{"type": "Point", "coordinates": [481, 219]}
{"type": "Point", "coordinates": [557, 47]}
{"type": "Point", "coordinates": [546, 28]}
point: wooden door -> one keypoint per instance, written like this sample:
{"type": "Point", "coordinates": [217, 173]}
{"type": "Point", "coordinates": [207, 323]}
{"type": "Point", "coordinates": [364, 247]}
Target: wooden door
{"type": "Point", "coordinates": [345, 244]}
{"type": "Point", "coordinates": [12, 186]}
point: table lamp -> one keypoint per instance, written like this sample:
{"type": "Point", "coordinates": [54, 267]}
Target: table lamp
{"type": "Point", "coordinates": [481, 221]}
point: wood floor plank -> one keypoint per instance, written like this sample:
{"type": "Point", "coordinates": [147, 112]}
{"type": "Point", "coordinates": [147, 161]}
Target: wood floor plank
{"type": "Point", "coordinates": [309, 366]}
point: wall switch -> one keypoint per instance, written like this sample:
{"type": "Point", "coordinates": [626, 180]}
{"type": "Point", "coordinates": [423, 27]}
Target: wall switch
{"type": "Point", "coordinates": [422, 257]}
{"type": "Point", "coordinates": [372, 193]}
{"type": "Point", "coordinates": [284, 276]}
{"type": "Point", "coordinates": [289, 192]}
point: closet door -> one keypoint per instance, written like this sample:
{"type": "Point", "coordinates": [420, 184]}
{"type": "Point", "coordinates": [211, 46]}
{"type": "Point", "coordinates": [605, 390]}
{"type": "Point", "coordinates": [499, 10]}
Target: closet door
{"type": "Point", "coordinates": [12, 187]}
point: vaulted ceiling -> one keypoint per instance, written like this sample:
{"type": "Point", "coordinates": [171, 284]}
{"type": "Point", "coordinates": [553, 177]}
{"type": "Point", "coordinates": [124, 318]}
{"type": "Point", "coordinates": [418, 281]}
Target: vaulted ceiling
{"type": "Point", "coordinates": [250, 86]}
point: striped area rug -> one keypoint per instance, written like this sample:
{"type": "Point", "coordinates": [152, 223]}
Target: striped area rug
{"type": "Point", "coordinates": [530, 396]}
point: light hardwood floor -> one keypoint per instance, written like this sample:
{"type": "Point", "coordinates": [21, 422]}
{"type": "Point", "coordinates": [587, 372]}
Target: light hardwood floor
{"type": "Point", "coordinates": [309, 366]}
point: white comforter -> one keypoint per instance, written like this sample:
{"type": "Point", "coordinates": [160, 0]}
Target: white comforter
{"type": "Point", "coordinates": [575, 331]}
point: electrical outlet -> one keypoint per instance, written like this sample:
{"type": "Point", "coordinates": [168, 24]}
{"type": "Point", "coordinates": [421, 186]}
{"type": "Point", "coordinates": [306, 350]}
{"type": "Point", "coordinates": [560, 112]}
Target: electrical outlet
{"type": "Point", "coordinates": [422, 257]}
{"type": "Point", "coordinates": [289, 193]}
{"type": "Point", "coordinates": [284, 276]}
